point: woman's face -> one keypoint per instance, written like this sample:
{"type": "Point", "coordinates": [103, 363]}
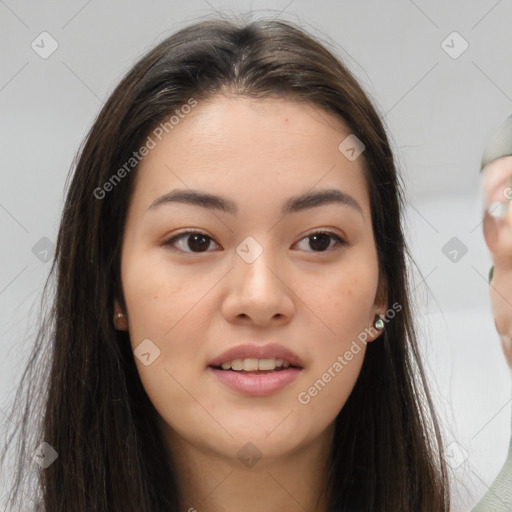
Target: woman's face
{"type": "Point", "coordinates": [497, 188]}
{"type": "Point", "coordinates": [255, 276]}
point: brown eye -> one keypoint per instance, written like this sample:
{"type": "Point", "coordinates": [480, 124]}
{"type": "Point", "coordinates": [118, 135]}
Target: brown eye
{"type": "Point", "coordinates": [190, 241]}
{"type": "Point", "coordinates": [320, 241]}
{"type": "Point", "coordinates": [196, 242]}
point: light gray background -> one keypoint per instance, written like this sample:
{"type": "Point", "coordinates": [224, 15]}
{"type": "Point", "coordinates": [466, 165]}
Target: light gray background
{"type": "Point", "coordinates": [439, 111]}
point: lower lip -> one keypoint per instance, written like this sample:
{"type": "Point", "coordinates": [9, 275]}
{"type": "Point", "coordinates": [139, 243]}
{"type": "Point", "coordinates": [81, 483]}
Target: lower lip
{"type": "Point", "coordinates": [257, 385]}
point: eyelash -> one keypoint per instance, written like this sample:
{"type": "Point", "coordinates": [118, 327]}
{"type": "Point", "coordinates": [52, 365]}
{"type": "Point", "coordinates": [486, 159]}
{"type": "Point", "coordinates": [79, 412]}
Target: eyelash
{"type": "Point", "coordinates": [183, 235]}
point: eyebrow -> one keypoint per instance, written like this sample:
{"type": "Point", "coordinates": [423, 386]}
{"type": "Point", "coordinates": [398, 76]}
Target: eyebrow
{"type": "Point", "coordinates": [292, 205]}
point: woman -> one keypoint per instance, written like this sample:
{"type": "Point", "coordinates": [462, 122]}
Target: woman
{"type": "Point", "coordinates": [207, 351]}
{"type": "Point", "coordinates": [496, 170]}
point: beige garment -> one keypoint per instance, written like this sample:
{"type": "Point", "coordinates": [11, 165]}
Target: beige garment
{"type": "Point", "coordinates": [499, 496]}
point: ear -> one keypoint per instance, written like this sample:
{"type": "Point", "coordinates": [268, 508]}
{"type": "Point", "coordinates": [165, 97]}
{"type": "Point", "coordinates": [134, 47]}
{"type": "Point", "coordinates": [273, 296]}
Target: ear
{"type": "Point", "coordinates": [120, 322]}
{"type": "Point", "coordinates": [379, 309]}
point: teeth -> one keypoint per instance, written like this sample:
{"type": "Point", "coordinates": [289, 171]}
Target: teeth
{"type": "Point", "coordinates": [237, 364]}
{"type": "Point", "coordinates": [251, 364]}
{"type": "Point", "coordinates": [267, 364]}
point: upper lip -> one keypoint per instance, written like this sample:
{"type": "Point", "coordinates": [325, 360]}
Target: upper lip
{"type": "Point", "coordinates": [271, 350]}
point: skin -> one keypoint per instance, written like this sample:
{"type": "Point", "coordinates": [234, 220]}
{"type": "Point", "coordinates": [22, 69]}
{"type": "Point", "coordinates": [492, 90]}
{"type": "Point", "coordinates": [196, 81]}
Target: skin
{"type": "Point", "coordinates": [498, 237]}
{"type": "Point", "coordinates": [194, 306]}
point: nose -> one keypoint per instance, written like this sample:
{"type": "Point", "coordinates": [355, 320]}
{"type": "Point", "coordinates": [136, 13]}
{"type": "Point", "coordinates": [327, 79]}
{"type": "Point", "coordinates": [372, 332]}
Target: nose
{"type": "Point", "coordinates": [259, 292]}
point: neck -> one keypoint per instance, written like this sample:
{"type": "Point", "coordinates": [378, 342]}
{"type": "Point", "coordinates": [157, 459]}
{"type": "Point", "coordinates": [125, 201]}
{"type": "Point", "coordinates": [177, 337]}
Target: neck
{"type": "Point", "coordinates": [290, 482]}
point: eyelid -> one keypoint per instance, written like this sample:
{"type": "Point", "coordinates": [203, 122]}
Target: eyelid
{"type": "Point", "coordinates": [168, 242]}
{"type": "Point", "coordinates": [339, 239]}
{"type": "Point", "coordinates": [341, 242]}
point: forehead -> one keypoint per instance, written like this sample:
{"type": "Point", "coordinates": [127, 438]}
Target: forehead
{"type": "Point", "coordinates": [250, 150]}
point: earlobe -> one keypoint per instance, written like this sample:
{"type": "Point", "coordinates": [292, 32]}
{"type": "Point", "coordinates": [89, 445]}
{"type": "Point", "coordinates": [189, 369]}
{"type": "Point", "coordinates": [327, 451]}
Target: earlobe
{"type": "Point", "coordinates": [381, 303]}
{"type": "Point", "coordinates": [377, 327]}
{"type": "Point", "coordinates": [379, 323]}
{"type": "Point", "coordinates": [120, 321]}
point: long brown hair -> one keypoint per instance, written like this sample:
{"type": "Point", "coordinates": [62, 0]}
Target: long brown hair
{"type": "Point", "coordinates": [81, 392]}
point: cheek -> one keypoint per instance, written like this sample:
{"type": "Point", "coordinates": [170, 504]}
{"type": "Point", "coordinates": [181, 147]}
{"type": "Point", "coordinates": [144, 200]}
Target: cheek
{"type": "Point", "coordinates": [156, 298]}
{"type": "Point", "coordinates": [329, 385]}
{"type": "Point", "coordinates": [344, 305]}
{"type": "Point", "coordinates": [166, 310]}
{"type": "Point", "coordinates": [501, 294]}
{"type": "Point", "coordinates": [343, 302]}
{"type": "Point", "coordinates": [506, 345]}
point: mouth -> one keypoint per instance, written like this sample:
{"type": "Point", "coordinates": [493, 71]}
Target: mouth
{"type": "Point", "coordinates": [257, 370]}
{"type": "Point", "coordinates": [254, 357]}
{"type": "Point", "coordinates": [253, 366]}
